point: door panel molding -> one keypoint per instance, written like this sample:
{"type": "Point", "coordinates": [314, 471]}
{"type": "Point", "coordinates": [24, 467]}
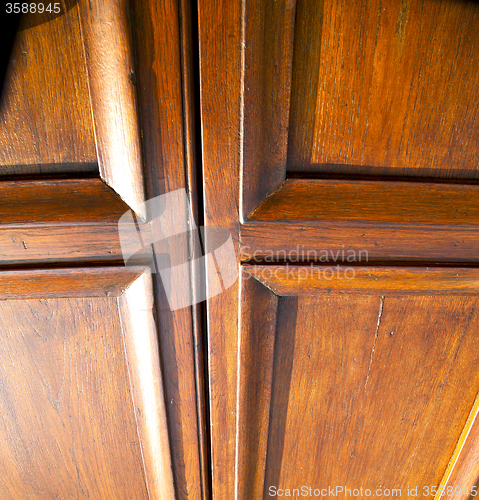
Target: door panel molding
{"type": "Point", "coordinates": [62, 221]}
{"type": "Point", "coordinates": [463, 469]}
{"type": "Point", "coordinates": [64, 201]}
{"type": "Point", "coordinates": [255, 376]}
{"type": "Point", "coordinates": [221, 48]}
{"type": "Point", "coordinates": [107, 45]}
{"type": "Point", "coordinates": [320, 200]}
{"type": "Point", "coordinates": [82, 396]}
{"type": "Point", "coordinates": [266, 77]}
{"type": "Point", "coordinates": [79, 282]}
{"type": "Point", "coordinates": [142, 353]}
{"type": "Point", "coordinates": [290, 279]}
{"type": "Point", "coordinates": [385, 220]}
{"type": "Point", "coordinates": [164, 45]}
{"type": "Point", "coordinates": [292, 319]}
{"type": "Point", "coordinates": [365, 243]}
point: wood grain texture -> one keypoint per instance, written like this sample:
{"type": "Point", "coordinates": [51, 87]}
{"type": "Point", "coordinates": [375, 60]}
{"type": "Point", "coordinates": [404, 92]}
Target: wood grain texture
{"type": "Point", "coordinates": [64, 221]}
{"type": "Point", "coordinates": [81, 282]}
{"type": "Point", "coordinates": [111, 78]}
{"type": "Point", "coordinates": [62, 244]}
{"type": "Point", "coordinates": [391, 85]}
{"type": "Point", "coordinates": [462, 472]}
{"type": "Point", "coordinates": [194, 183]}
{"type": "Point", "coordinates": [45, 113]}
{"type": "Point", "coordinates": [358, 242]}
{"type": "Point", "coordinates": [221, 39]}
{"type": "Point", "coordinates": [268, 60]}
{"type": "Point", "coordinates": [258, 327]}
{"type": "Point", "coordinates": [190, 77]}
{"type": "Point", "coordinates": [307, 60]}
{"type": "Point", "coordinates": [318, 280]}
{"type": "Point", "coordinates": [58, 201]}
{"type": "Point", "coordinates": [157, 37]}
{"type": "Point", "coordinates": [221, 42]}
{"type": "Point", "coordinates": [282, 359]}
{"type": "Point", "coordinates": [109, 463]}
{"type": "Point", "coordinates": [371, 201]}
{"type": "Point", "coordinates": [370, 390]}
{"type": "Point", "coordinates": [141, 347]}
{"type": "Point", "coordinates": [67, 425]}
{"type": "Point", "coordinates": [164, 48]}
{"type": "Point", "coordinates": [360, 221]}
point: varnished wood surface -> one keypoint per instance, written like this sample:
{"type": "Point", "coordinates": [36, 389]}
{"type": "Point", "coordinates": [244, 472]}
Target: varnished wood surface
{"type": "Point", "coordinates": [220, 49]}
{"type": "Point", "coordinates": [386, 88]}
{"type": "Point", "coordinates": [146, 383]}
{"type": "Point", "coordinates": [109, 58]}
{"type": "Point", "coordinates": [361, 242]}
{"type": "Point", "coordinates": [93, 347]}
{"type": "Point", "coordinates": [63, 221]}
{"type": "Point", "coordinates": [58, 201]}
{"type": "Point", "coordinates": [401, 113]}
{"type": "Point", "coordinates": [62, 244]}
{"type": "Point", "coordinates": [266, 79]}
{"type": "Point", "coordinates": [368, 201]}
{"type": "Point", "coordinates": [407, 113]}
{"type": "Point", "coordinates": [190, 77]}
{"type": "Point", "coordinates": [258, 328]}
{"type": "Point", "coordinates": [463, 470]}
{"type": "Point", "coordinates": [67, 421]}
{"type": "Point", "coordinates": [369, 391]}
{"type": "Point", "coordinates": [366, 221]}
{"type": "Point", "coordinates": [317, 280]}
{"type": "Point", "coordinates": [165, 65]}
{"type": "Point", "coordinates": [81, 282]}
{"type": "Point", "coordinates": [45, 115]}
{"type": "Point", "coordinates": [307, 59]}
{"type": "Point", "coordinates": [157, 35]}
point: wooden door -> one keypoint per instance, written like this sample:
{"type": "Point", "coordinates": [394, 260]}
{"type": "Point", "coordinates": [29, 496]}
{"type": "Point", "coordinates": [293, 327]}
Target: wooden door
{"type": "Point", "coordinates": [340, 148]}
{"type": "Point", "coordinates": [100, 382]}
{"type": "Point", "coordinates": [79, 367]}
{"type": "Point", "coordinates": [338, 143]}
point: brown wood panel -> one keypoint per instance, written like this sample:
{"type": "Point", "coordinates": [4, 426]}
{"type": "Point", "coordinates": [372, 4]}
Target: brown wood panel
{"type": "Point", "coordinates": [358, 242]}
{"type": "Point", "coordinates": [62, 244]}
{"type": "Point", "coordinates": [79, 201]}
{"type": "Point", "coordinates": [307, 59]}
{"type": "Point", "coordinates": [266, 81]}
{"type": "Point", "coordinates": [386, 88]}
{"type": "Point", "coordinates": [107, 44]}
{"type": "Point", "coordinates": [406, 113]}
{"type": "Point", "coordinates": [281, 384]}
{"type": "Point", "coordinates": [61, 221]}
{"type": "Point", "coordinates": [463, 470]}
{"type": "Point", "coordinates": [146, 382]}
{"type": "Point", "coordinates": [67, 425]}
{"type": "Point", "coordinates": [349, 354]}
{"type": "Point", "coordinates": [64, 221]}
{"type": "Point", "coordinates": [45, 115]}
{"type": "Point", "coordinates": [165, 66]}
{"type": "Point", "coordinates": [156, 28]}
{"type": "Point", "coordinates": [372, 201]}
{"type": "Point", "coordinates": [342, 220]}
{"type": "Point", "coordinates": [83, 408]}
{"type": "Point", "coordinates": [258, 327]}
{"type": "Point", "coordinates": [324, 280]}
{"type": "Point", "coordinates": [81, 282]}
{"type": "Point", "coordinates": [221, 39]}
{"type": "Point", "coordinates": [370, 392]}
